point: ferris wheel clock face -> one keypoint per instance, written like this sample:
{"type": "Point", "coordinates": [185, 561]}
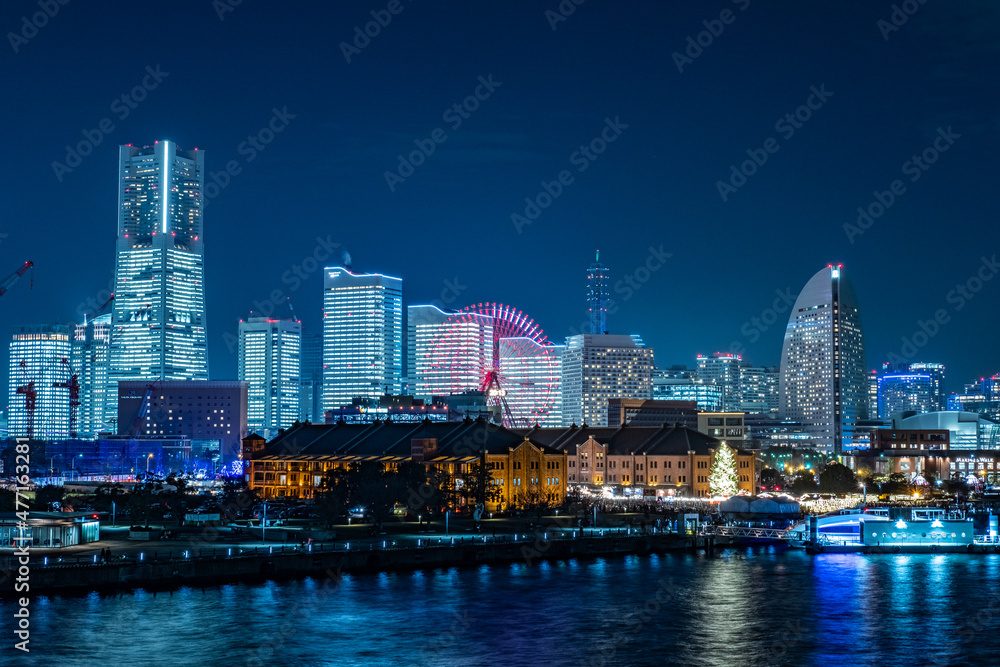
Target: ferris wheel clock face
{"type": "Point", "coordinates": [500, 351]}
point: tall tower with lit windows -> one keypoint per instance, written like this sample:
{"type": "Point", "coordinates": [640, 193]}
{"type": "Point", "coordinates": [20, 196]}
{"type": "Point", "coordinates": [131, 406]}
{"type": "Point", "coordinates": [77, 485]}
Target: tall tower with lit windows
{"type": "Point", "coordinates": [598, 296]}
{"type": "Point", "coordinates": [823, 382]}
{"type": "Point", "coordinates": [158, 322]}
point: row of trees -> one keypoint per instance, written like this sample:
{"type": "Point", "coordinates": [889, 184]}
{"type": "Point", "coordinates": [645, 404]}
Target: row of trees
{"type": "Point", "coordinates": [422, 490]}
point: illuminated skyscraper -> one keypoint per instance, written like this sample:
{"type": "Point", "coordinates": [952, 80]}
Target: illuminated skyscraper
{"type": "Point", "coordinates": [158, 317]}
{"type": "Point", "coordinates": [598, 295]}
{"type": "Point", "coordinates": [90, 360]}
{"type": "Point", "coordinates": [823, 380]}
{"type": "Point", "coordinates": [362, 336]}
{"type": "Point", "coordinates": [598, 368]}
{"type": "Point", "coordinates": [36, 367]}
{"type": "Point", "coordinates": [270, 364]}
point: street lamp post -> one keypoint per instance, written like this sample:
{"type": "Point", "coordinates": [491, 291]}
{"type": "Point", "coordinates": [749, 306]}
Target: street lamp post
{"type": "Point", "coordinates": [263, 525]}
{"type": "Point", "coordinates": [147, 462]}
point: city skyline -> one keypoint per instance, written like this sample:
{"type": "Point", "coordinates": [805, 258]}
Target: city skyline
{"type": "Point", "coordinates": [655, 185]}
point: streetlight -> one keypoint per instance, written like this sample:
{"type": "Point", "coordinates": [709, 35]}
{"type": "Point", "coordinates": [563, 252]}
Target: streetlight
{"type": "Point", "coordinates": [147, 463]}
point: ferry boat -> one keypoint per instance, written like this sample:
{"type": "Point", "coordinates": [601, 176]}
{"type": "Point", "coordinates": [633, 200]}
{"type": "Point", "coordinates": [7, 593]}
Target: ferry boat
{"type": "Point", "coordinates": [841, 526]}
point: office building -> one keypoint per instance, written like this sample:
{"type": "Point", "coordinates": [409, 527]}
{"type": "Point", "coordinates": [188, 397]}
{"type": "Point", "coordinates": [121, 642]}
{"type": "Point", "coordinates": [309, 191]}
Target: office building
{"type": "Point", "coordinates": [91, 360]}
{"type": "Point", "coordinates": [158, 316]}
{"type": "Point", "coordinates": [270, 362]}
{"type": "Point", "coordinates": [362, 336]}
{"type": "Point", "coordinates": [38, 380]}
{"type": "Point", "coordinates": [211, 414]}
{"type": "Point", "coordinates": [671, 386]}
{"type": "Point", "coordinates": [723, 370]}
{"type": "Point", "coordinates": [532, 380]}
{"type": "Point", "coordinates": [981, 396]}
{"type": "Point", "coordinates": [311, 377]}
{"type": "Point", "coordinates": [823, 379]}
{"type": "Point", "coordinates": [598, 295]}
{"type": "Point", "coordinates": [759, 390]}
{"type": "Point", "coordinates": [447, 353]}
{"type": "Point", "coordinates": [640, 412]}
{"type": "Point", "coordinates": [597, 368]}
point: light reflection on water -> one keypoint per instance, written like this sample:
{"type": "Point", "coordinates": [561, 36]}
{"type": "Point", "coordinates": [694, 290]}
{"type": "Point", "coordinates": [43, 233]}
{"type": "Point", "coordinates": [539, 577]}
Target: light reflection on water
{"type": "Point", "coordinates": [741, 607]}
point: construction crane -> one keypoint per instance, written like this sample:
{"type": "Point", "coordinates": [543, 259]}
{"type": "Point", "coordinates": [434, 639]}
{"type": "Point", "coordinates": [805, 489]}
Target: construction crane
{"type": "Point", "coordinates": [72, 382]}
{"type": "Point", "coordinates": [99, 310]}
{"type": "Point", "coordinates": [12, 278]}
{"type": "Point", "coordinates": [30, 396]}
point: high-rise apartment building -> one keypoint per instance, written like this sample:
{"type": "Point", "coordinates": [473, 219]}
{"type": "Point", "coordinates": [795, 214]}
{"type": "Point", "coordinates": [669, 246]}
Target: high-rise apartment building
{"type": "Point", "coordinates": [823, 383]}
{"type": "Point", "coordinates": [270, 363]}
{"type": "Point", "coordinates": [362, 336]}
{"type": "Point", "coordinates": [38, 379]}
{"type": "Point", "coordinates": [596, 368]}
{"type": "Point", "coordinates": [598, 295]}
{"type": "Point", "coordinates": [158, 317]}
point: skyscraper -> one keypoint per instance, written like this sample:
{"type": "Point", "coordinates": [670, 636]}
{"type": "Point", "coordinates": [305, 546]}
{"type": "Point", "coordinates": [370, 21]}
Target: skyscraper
{"type": "Point", "coordinates": [39, 364]}
{"type": "Point", "coordinates": [90, 362]}
{"type": "Point", "coordinates": [598, 295]}
{"type": "Point", "coordinates": [311, 377]}
{"type": "Point", "coordinates": [270, 363]}
{"type": "Point", "coordinates": [362, 336]}
{"type": "Point", "coordinates": [823, 383]}
{"type": "Point", "coordinates": [597, 368]}
{"type": "Point", "coordinates": [158, 317]}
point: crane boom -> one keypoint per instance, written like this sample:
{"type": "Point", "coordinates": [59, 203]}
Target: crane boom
{"type": "Point", "coordinates": [12, 278]}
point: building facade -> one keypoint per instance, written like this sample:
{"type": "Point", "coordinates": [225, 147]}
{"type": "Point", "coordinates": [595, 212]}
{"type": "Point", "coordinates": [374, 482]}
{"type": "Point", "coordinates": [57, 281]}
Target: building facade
{"type": "Point", "coordinates": [38, 379]}
{"type": "Point", "coordinates": [362, 336]}
{"type": "Point", "coordinates": [270, 362]}
{"type": "Point", "coordinates": [212, 415]}
{"type": "Point", "coordinates": [823, 379]}
{"type": "Point", "coordinates": [596, 368]}
{"type": "Point", "coordinates": [664, 461]}
{"type": "Point", "coordinates": [705, 395]}
{"type": "Point", "coordinates": [158, 316]}
{"type": "Point", "coordinates": [522, 471]}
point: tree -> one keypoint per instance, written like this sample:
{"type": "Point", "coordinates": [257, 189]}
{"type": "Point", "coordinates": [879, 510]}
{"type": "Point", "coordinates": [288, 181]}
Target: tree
{"type": "Point", "coordinates": [803, 483]}
{"type": "Point", "coordinates": [477, 486]}
{"type": "Point", "coordinates": [46, 497]}
{"type": "Point", "coordinates": [533, 501]}
{"type": "Point", "coordinates": [723, 480]}
{"type": "Point", "coordinates": [837, 478]}
{"type": "Point", "coordinates": [140, 499]}
{"type": "Point", "coordinates": [769, 477]}
{"type": "Point", "coordinates": [236, 497]}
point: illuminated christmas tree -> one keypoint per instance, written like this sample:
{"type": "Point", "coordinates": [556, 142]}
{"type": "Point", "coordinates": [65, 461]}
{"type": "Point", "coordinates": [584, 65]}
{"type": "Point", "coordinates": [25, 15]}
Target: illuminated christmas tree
{"type": "Point", "coordinates": [722, 480]}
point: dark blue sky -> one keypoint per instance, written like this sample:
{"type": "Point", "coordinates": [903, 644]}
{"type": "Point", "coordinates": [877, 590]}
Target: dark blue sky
{"type": "Point", "coordinates": [323, 176]}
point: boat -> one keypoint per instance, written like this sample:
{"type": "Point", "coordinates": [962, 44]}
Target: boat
{"type": "Point", "coordinates": [840, 526]}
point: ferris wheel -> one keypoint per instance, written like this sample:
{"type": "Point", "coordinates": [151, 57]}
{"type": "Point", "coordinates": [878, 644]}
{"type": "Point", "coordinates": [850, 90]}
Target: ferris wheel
{"type": "Point", "coordinates": [497, 349]}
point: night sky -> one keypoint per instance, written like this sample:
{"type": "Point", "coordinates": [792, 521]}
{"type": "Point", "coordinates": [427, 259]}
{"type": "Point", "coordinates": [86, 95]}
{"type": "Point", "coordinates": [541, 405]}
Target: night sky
{"type": "Point", "coordinates": [885, 95]}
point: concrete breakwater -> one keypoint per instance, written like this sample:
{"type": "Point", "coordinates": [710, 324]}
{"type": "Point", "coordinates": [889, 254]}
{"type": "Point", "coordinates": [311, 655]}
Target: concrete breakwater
{"type": "Point", "coordinates": [322, 563]}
